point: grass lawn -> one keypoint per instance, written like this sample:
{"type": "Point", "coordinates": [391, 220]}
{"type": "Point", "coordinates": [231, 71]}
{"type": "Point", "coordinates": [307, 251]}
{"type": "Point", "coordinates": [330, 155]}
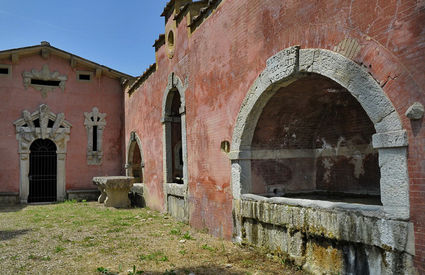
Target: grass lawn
{"type": "Point", "coordinates": [87, 238]}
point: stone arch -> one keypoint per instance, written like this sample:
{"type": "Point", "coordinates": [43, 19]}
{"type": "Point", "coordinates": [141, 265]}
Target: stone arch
{"type": "Point", "coordinates": [288, 66]}
{"type": "Point", "coordinates": [174, 83]}
{"type": "Point", "coordinates": [131, 147]}
{"type": "Point", "coordinates": [42, 124]}
{"type": "Point", "coordinates": [175, 195]}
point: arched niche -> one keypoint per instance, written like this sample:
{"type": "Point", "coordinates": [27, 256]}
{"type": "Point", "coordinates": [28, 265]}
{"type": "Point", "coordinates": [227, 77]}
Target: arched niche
{"type": "Point", "coordinates": [174, 133]}
{"type": "Point", "coordinates": [42, 124]}
{"type": "Point", "coordinates": [292, 64]}
{"type": "Point", "coordinates": [135, 164]}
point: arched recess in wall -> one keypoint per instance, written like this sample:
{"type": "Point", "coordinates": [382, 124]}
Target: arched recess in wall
{"type": "Point", "coordinates": [42, 124]}
{"type": "Point", "coordinates": [174, 133]}
{"type": "Point", "coordinates": [135, 164]}
{"type": "Point", "coordinates": [293, 64]}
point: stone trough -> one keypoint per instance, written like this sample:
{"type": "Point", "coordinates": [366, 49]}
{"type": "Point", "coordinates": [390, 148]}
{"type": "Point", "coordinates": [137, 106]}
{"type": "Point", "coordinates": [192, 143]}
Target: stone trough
{"type": "Point", "coordinates": [114, 190]}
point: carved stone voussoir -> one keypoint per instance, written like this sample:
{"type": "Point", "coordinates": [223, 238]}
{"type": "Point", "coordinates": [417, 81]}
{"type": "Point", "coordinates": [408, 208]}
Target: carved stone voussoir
{"type": "Point", "coordinates": [416, 111]}
{"type": "Point", "coordinates": [283, 64]}
{"type": "Point", "coordinates": [26, 132]}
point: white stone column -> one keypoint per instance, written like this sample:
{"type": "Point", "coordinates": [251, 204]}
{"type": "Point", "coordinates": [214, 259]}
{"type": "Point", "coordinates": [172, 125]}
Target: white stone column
{"type": "Point", "coordinates": [24, 180]}
{"type": "Point", "coordinates": [166, 155]}
{"type": "Point", "coordinates": [167, 150]}
{"type": "Point", "coordinates": [241, 172]}
{"type": "Point", "coordinates": [185, 162]}
{"type": "Point", "coordinates": [128, 168]}
{"type": "Point", "coordinates": [99, 138]}
{"type": "Point", "coordinates": [61, 177]}
{"type": "Point", "coordinates": [90, 138]}
{"type": "Point", "coordinates": [392, 147]}
{"type": "Point", "coordinates": [184, 147]}
{"type": "Point", "coordinates": [394, 182]}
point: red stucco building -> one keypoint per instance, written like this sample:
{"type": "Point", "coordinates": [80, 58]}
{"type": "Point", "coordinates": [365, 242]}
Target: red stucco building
{"type": "Point", "coordinates": [295, 125]}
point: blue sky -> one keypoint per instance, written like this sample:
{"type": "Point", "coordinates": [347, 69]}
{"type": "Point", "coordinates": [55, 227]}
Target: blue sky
{"type": "Point", "coordinates": [117, 34]}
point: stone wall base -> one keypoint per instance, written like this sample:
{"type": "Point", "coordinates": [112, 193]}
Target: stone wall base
{"type": "Point", "coordinates": [85, 194]}
{"type": "Point", "coordinates": [326, 241]}
{"type": "Point", "coordinates": [176, 207]}
{"type": "Point", "coordinates": [9, 198]}
{"type": "Point", "coordinates": [136, 195]}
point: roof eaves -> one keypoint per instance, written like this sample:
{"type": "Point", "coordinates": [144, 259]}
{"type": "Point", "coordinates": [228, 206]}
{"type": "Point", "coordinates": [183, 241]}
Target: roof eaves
{"type": "Point", "coordinates": [35, 48]}
{"type": "Point", "coordinates": [159, 42]}
{"type": "Point", "coordinates": [141, 79]}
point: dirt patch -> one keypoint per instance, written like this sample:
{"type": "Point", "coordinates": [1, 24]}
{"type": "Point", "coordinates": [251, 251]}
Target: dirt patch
{"type": "Point", "coordinates": [87, 238]}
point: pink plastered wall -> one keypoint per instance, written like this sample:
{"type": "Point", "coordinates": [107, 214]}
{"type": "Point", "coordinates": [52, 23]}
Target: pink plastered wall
{"type": "Point", "coordinates": [220, 61]}
{"type": "Point", "coordinates": [105, 93]}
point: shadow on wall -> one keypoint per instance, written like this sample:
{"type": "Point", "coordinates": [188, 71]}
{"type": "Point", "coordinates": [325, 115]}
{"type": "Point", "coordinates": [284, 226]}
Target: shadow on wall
{"type": "Point", "coordinates": [416, 126]}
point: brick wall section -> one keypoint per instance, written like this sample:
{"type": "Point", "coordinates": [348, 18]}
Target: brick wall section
{"type": "Point", "coordinates": [225, 55]}
{"type": "Point", "coordinates": [316, 113]}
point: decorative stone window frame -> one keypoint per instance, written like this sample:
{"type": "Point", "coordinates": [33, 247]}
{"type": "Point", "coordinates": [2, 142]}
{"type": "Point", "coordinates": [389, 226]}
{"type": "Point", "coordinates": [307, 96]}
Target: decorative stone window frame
{"type": "Point", "coordinates": [94, 118]}
{"type": "Point", "coordinates": [46, 75]}
{"type": "Point", "coordinates": [8, 67]}
{"type": "Point", "coordinates": [26, 133]}
{"type": "Point", "coordinates": [86, 73]}
{"type": "Point", "coordinates": [390, 139]}
{"type": "Point", "coordinates": [171, 188]}
{"type": "Point", "coordinates": [129, 166]}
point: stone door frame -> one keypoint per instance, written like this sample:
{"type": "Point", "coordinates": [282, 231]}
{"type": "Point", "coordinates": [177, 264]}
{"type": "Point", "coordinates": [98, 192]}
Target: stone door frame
{"type": "Point", "coordinates": [27, 132]}
{"type": "Point", "coordinates": [390, 139]}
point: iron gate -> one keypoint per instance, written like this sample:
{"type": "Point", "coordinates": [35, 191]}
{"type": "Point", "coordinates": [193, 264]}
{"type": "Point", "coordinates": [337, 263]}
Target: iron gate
{"type": "Point", "coordinates": [42, 175]}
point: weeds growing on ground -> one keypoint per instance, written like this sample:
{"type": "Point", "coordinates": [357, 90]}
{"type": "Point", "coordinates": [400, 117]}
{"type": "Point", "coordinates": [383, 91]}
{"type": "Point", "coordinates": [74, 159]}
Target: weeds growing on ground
{"type": "Point", "coordinates": [59, 249]}
{"type": "Point", "coordinates": [187, 236]}
{"type": "Point", "coordinates": [86, 237]}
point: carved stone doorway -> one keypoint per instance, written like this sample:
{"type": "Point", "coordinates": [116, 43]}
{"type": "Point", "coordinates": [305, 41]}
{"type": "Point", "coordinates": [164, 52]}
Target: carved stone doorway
{"type": "Point", "coordinates": [42, 124]}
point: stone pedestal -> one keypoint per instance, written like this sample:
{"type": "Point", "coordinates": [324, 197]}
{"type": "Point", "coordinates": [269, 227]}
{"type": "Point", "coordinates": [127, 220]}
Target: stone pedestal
{"type": "Point", "coordinates": [101, 186]}
{"type": "Point", "coordinates": [114, 190]}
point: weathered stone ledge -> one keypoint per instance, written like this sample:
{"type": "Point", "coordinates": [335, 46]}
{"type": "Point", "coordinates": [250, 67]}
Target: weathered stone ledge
{"type": "Point", "coordinates": [366, 210]}
{"type": "Point", "coordinates": [138, 188]}
{"type": "Point", "coordinates": [330, 220]}
{"type": "Point", "coordinates": [178, 190]}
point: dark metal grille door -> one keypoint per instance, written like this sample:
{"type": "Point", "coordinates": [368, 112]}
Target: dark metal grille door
{"type": "Point", "coordinates": [42, 175]}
